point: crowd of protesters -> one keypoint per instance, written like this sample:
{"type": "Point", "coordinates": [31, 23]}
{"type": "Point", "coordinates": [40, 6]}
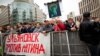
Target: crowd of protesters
{"type": "Point", "coordinates": [45, 27]}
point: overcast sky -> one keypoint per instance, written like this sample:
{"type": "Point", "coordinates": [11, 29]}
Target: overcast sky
{"type": "Point", "coordinates": [67, 6]}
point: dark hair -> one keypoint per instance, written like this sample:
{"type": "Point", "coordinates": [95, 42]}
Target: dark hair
{"type": "Point", "coordinates": [25, 23]}
{"type": "Point", "coordinates": [46, 21]}
{"type": "Point", "coordinates": [86, 14]}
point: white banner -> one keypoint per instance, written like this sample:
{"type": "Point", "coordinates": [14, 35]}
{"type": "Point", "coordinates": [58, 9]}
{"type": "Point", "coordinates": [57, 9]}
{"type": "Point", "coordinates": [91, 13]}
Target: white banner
{"type": "Point", "coordinates": [28, 44]}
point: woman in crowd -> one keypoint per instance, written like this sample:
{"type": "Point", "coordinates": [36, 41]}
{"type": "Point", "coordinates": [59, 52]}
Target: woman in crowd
{"type": "Point", "coordinates": [56, 28]}
{"type": "Point", "coordinates": [61, 25]}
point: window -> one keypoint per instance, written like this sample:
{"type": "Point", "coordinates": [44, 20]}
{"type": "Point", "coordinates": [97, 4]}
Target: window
{"type": "Point", "coordinates": [86, 9]}
{"type": "Point", "coordinates": [90, 8]}
{"type": "Point", "coordinates": [80, 11]}
{"type": "Point", "coordinates": [81, 4]}
{"type": "Point", "coordinates": [93, 0]}
{"type": "Point", "coordinates": [89, 0]}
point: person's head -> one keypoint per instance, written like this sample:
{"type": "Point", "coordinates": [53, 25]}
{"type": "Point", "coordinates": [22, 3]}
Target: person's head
{"type": "Point", "coordinates": [15, 27]}
{"type": "Point", "coordinates": [38, 25]}
{"type": "Point", "coordinates": [46, 22]}
{"type": "Point", "coordinates": [66, 21]}
{"type": "Point", "coordinates": [26, 25]}
{"type": "Point", "coordinates": [30, 25]}
{"type": "Point", "coordinates": [51, 21]}
{"type": "Point", "coordinates": [58, 21]}
{"type": "Point", "coordinates": [70, 20]}
{"type": "Point", "coordinates": [86, 16]}
{"type": "Point", "coordinates": [8, 27]}
{"type": "Point", "coordinates": [19, 24]}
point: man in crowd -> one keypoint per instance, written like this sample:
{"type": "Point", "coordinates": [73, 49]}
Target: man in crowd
{"type": "Point", "coordinates": [87, 33]}
{"type": "Point", "coordinates": [27, 28]}
{"type": "Point", "coordinates": [47, 27]}
{"type": "Point", "coordinates": [70, 25]}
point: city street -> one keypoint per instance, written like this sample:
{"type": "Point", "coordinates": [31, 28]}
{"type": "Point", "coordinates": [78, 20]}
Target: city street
{"type": "Point", "coordinates": [49, 27]}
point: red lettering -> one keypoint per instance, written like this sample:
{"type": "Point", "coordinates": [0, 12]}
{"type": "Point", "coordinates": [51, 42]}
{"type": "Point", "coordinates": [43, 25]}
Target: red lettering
{"type": "Point", "coordinates": [32, 50]}
{"type": "Point", "coordinates": [14, 38]}
{"type": "Point", "coordinates": [20, 37]}
{"type": "Point", "coordinates": [13, 47]}
{"type": "Point", "coordinates": [35, 36]}
{"type": "Point", "coordinates": [27, 37]}
{"type": "Point", "coordinates": [18, 48]}
{"type": "Point", "coordinates": [24, 48]}
{"type": "Point", "coordinates": [41, 49]}
{"type": "Point", "coordinates": [9, 38]}
{"type": "Point", "coordinates": [36, 48]}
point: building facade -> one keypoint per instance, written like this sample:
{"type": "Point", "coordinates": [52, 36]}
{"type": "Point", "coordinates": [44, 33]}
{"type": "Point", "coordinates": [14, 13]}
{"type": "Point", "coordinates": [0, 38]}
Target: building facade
{"type": "Point", "coordinates": [28, 1]}
{"type": "Point", "coordinates": [21, 11]}
{"type": "Point", "coordinates": [92, 6]}
{"type": "Point", "coordinates": [4, 20]}
{"type": "Point", "coordinates": [39, 15]}
{"type": "Point", "coordinates": [26, 11]}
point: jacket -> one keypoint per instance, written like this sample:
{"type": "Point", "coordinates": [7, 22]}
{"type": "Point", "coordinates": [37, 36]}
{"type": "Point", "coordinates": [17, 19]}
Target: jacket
{"type": "Point", "coordinates": [56, 28]}
{"type": "Point", "coordinates": [61, 26]}
{"type": "Point", "coordinates": [69, 26]}
{"type": "Point", "coordinates": [97, 30]}
{"type": "Point", "coordinates": [48, 28]}
{"type": "Point", "coordinates": [87, 33]}
{"type": "Point", "coordinates": [40, 29]}
{"type": "Point", "coordinates": [25, 30]}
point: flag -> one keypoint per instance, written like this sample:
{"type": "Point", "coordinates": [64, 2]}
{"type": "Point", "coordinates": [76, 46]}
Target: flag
{"type": "Point", "coordinates": [54, 9]}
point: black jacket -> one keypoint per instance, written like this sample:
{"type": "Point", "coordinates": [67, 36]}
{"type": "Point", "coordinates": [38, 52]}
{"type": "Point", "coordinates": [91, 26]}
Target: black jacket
{"type": "Point", "coordinates": [87, 33]}
{"type": "Point", "coordinates": [97, 29]}
{"type": "Point", "coordinates": [69, 26]}
{"type": "Point", "coordinates": [48, 28]}
{"type": "Point", "coordinates": [26, 30]}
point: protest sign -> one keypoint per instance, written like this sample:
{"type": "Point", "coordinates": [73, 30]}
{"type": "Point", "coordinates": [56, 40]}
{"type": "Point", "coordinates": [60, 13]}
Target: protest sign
{"type": "Point", "coordinates": [28, 44]}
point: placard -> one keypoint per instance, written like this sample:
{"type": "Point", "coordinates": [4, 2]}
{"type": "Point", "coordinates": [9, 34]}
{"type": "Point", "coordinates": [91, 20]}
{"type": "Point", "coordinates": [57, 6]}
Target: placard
{"type": "Point", "coordinates": [28, 44]}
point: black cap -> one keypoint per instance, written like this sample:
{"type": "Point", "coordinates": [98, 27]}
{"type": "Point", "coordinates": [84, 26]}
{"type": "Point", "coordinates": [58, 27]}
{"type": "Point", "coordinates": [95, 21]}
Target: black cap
{"type": "Point", "coordinates": [86, 14]}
